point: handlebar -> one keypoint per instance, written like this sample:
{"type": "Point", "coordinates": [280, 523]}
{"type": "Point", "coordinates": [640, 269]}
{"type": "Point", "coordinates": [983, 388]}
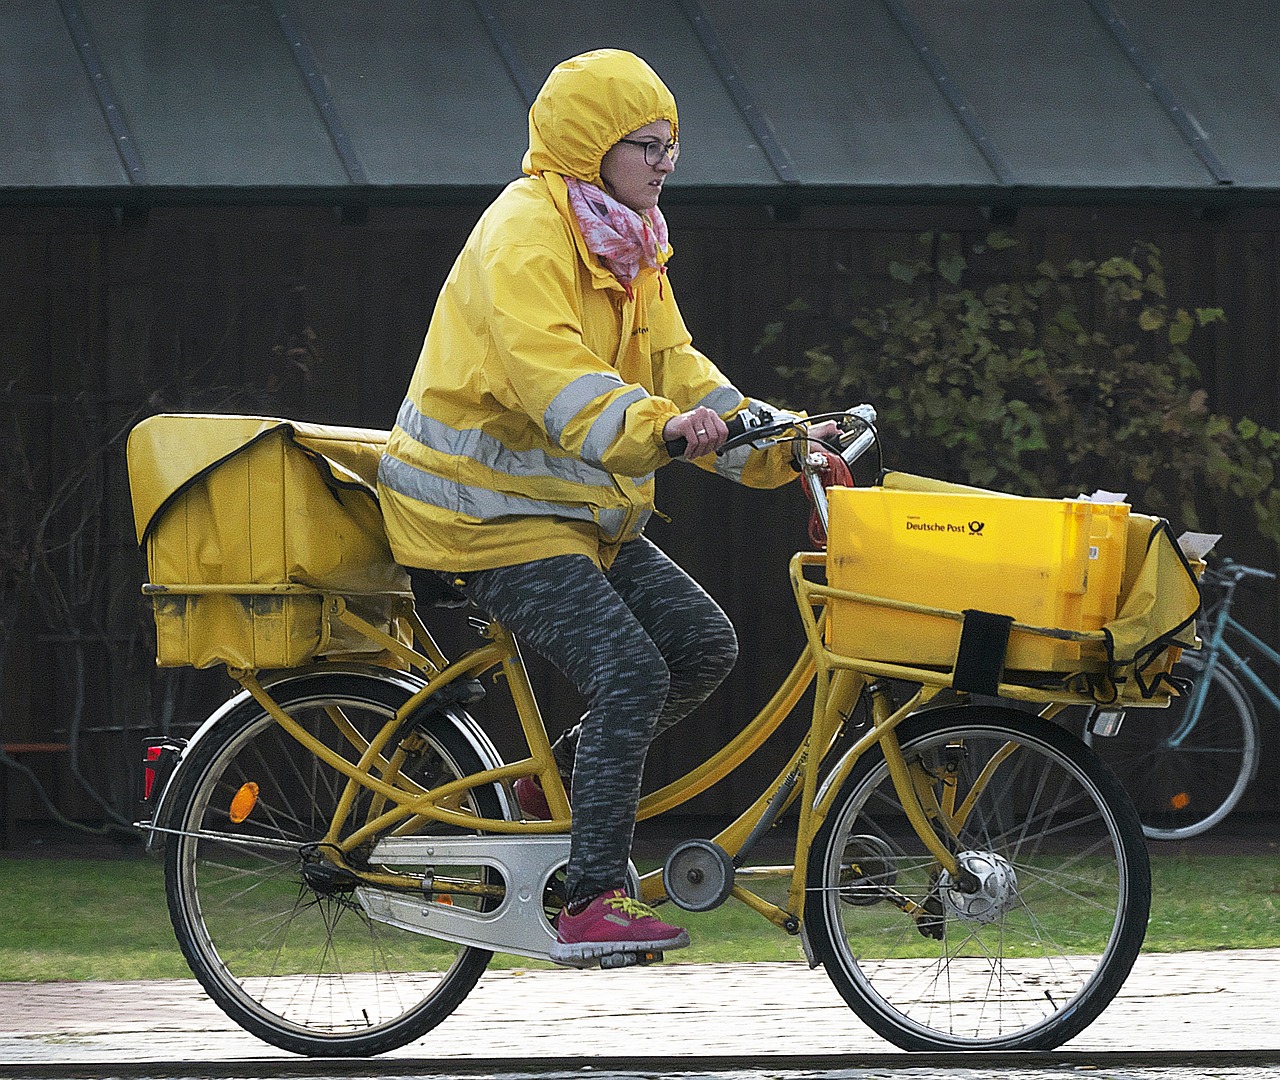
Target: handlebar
{"type": "Point", "coordinates": [1233, 573]}
{"type": "Point", "coordinates": [856, 424]}
{"type": "Point", "coordinates": [857, 436]}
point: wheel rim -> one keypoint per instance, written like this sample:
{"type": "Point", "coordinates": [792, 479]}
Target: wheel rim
{"type": "Point", "coordinates": [1007, 969]}
{"type": "Point", "coordinates": [1183, 791]}
{"type": "Point", "coordinates": [275, 927]}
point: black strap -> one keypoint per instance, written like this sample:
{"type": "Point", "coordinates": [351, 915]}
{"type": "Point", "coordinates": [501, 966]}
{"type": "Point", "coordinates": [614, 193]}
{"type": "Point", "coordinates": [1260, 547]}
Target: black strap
{"type": "Point", "coordinates": [984, 640]}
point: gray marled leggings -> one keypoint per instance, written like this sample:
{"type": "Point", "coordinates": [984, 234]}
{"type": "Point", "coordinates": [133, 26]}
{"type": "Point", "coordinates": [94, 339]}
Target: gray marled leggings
{"type": "Point", "coordinates": [644, 644]}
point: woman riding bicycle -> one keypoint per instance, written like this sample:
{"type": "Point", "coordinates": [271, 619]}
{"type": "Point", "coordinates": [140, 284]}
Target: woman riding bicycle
{"type": "Point", "coordinates": [555, 369]}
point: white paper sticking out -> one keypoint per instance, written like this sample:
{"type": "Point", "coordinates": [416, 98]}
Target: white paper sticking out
{"type": "Point", "coordinates": [1101, 496]}
{"type": "Point", "coordinates": [1196, 545]}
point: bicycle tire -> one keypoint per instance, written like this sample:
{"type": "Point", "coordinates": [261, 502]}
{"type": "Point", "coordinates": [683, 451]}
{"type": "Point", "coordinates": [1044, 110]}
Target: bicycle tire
{"type": "Point", "coordinates": [1184, 791]}
{"type": "Point", "coordinates": [1034, 956]}
{"type": "Point", "coordinates": [283, 948]}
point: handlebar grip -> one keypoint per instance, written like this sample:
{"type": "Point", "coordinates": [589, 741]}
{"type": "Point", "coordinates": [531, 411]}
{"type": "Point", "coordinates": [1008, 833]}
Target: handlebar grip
{"type": "Point", "coordinates": [677, 447]}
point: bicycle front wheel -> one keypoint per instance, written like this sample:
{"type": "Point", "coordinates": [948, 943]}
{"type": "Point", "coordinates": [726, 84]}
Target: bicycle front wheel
{"type": "Point", "coordinates": [1185, 783]}
{"type": "Point", "coordinates": [271, 927]}
{"type": "Point", "coordinates": [1030, 942]}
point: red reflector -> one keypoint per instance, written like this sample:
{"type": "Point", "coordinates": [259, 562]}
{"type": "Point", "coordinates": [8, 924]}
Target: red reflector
{"type": "Point", "coordinates": [152, 753]}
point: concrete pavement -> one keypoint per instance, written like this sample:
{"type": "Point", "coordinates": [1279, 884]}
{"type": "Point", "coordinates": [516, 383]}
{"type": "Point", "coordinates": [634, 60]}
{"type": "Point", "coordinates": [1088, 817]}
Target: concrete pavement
{"type": "Point", "coordinates": [1202, 1001]}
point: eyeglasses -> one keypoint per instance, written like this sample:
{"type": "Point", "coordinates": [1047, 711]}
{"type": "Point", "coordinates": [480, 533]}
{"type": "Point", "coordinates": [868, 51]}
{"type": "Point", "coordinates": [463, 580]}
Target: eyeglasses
{"type": "Point", "coordinates": [654, 150]}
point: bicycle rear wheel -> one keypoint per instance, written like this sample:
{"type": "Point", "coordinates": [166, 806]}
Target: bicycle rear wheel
{"type": "Point", "coordinates": [1032, 955]}
{"type": "Point", "coordinates": [272, 929]}
{"type": "Point", "coordinates": [1185, 790]}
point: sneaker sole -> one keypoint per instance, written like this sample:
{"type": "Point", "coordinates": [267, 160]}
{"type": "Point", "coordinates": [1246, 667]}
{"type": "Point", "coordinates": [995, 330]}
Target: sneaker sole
{"type": "Point", "coordinates": [584, 953]}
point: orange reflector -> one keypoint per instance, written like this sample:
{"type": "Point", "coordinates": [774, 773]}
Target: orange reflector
{"type": "Point", "coordinates": [244, 802]}
{"type": "Point", "coordinates": [1180, 801]}
{"type": "Point", "coordinates": [444, 898]}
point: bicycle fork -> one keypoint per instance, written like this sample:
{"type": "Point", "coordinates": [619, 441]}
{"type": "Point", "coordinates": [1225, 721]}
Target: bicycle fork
{"type": "Point", "coordinates": [931, 799]}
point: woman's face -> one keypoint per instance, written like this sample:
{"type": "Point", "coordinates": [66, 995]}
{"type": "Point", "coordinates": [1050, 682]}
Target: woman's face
{"type": "Point", "coordinates": [627, 176]}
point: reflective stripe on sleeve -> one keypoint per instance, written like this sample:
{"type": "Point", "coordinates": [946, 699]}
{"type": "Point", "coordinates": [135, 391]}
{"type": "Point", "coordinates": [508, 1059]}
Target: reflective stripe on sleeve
{"type": "Point", "coordinates": [575, 397]}
{"type": "Point", "coordinates": [722, 399]}
{"type": "Point", "coordinates": [731, 463]}
{"type": "Point", "coordinates": [608, 426]}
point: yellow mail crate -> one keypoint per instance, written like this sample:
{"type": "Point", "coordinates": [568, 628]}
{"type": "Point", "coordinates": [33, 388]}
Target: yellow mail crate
{"type": "Point", "coordinates": [1045, 562]}
{"type": "Point", "coordinates": [228, 507]}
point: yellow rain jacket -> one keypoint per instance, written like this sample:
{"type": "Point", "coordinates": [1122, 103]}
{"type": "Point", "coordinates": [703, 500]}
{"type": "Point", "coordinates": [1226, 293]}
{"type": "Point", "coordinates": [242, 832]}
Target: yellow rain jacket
{"type": "Point", "coordinates": [533, 423]}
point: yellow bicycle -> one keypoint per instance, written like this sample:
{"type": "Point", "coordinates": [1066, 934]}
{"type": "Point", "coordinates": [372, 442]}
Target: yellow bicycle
{"type": "Point", "coordinates": [343, 853]}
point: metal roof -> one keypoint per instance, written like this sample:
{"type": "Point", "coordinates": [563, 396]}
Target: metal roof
{"type": "Point", "coordinates": [852, 100]}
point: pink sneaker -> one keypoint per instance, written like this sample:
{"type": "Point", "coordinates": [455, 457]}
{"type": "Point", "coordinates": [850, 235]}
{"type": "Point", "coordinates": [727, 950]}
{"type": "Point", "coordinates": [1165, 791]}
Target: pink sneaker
{"type": "Point", "coordinates": [612, 923]}
{"type": "Point", "coordinates": [532, 799]}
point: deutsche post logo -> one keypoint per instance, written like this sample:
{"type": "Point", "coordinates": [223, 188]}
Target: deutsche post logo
{"type": "Point", "coordinates": [953, 528]}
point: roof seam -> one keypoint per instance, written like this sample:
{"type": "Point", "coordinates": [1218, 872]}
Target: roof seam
{"type": "Point", "coordinates": [498, 35]}
{"type": "Point", "coordinates": [1188, 128]}
{"type": "Point", "coordinates": [958, 102]}
{"type": "Point", "coordinates": [752, 114]}
{"type": "Point", "coordinates": [309, 65]}
{"type": "Point", "coordinates": [112, 113]}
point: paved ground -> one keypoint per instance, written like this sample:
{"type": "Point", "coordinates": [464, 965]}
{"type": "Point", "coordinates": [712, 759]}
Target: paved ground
{"type": "Point", "coordinates": [758, 1013]}
{"type": "Point", "coordinates": [1201, 1001]}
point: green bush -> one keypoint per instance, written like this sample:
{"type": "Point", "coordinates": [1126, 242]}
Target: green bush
{"type": "Point", "coordinates": [1050, 379]}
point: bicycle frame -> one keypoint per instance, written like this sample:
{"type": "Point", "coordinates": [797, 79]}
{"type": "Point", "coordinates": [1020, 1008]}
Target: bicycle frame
{"type": "Point", "coordinates": [407, 806]}
{"type": "Point", "coordinates": [1217, 649]}
{"type": "Point", "coordinates": [841, 681]}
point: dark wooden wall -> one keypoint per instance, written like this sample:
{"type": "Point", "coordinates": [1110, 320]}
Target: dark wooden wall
{"type": "Point", "coordinates": [291, 311]}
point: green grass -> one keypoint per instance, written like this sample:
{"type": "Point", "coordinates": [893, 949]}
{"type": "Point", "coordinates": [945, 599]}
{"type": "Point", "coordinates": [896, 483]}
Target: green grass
{"type": "Point", "coordinates": [106, 919]}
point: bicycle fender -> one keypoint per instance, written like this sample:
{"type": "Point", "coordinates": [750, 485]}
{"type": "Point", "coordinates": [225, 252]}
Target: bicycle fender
{"type": "Point", "coordinates": [840, 771]}
{"type": "Point", "coordinates": [411, 683]}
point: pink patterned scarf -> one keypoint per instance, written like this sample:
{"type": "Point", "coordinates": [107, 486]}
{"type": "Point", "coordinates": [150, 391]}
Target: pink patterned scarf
{"type": "Point", "coordinates": [624, 241]}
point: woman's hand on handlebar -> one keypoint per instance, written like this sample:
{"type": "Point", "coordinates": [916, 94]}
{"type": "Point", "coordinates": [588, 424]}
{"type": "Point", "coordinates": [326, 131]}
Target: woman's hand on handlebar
{"type": "Point", "coordinates": [702, 430]}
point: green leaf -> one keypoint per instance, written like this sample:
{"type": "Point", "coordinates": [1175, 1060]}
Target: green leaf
{"type": "Point", "coordinates": [901, 272]}
{"type": "Point", "coordinates": [1151, 319]}
{"type": "Point", "coordinates": [1181, 327]}
{"type": "Point", "coordinates": [999, 241]}
{"type": "Point", "coordinates": [951, 267]}
{"type": "Point", "coordinates": [1067, 318]}
{"type": "Point", "coordinates": [1117, 267]}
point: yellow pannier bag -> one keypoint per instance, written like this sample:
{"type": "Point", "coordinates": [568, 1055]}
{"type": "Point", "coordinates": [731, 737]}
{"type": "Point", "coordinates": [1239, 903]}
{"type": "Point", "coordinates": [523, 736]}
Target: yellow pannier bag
{"type": "Point", "coordinates": [236, 513]}
{"type": "Point", "coordinates": [1156, 620]}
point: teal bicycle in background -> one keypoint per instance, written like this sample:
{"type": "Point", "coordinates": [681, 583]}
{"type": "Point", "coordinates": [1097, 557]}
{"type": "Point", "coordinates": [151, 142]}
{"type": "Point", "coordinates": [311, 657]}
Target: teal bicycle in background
{"type": "Point", "coordinates": [1188, 766]}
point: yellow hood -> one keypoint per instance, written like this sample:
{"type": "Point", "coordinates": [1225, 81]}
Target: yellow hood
{"type": "Point", "coordinates": [586, 105]}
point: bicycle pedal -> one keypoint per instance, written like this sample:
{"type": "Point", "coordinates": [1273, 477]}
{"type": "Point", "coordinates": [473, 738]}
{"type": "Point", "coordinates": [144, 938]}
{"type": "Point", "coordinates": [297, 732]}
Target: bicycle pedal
{"type": "Point", "coordinates": [631, 959]}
